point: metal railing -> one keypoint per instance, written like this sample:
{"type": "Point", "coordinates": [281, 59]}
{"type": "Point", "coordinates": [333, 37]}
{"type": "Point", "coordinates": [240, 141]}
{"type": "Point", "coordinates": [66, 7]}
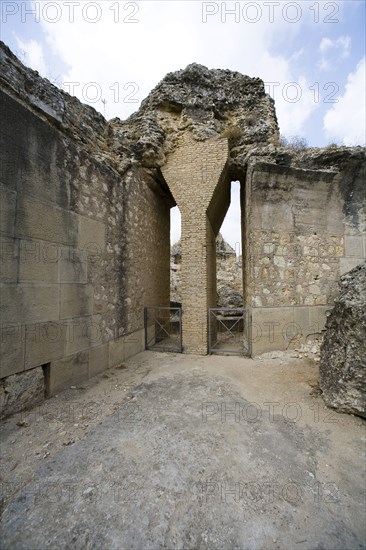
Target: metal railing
{"type": "Point", "coordinates": [229, 331]}
{"type": "Point", "coordinates": [163, 328]}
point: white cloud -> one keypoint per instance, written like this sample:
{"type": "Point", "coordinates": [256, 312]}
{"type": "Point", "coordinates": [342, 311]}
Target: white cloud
{"type": "Point", "coordinates": [333, 51]}
{"type": "Point", "coordinates": [345, 122]}
{"type": "Point", "coordinates": [325, 44]}
{"type": "Point", "coordinates": [32, 54]}
{"type": "Point", "coordinates": [342, 43]}
{"type": "Point", "coordinates": [297, 55]}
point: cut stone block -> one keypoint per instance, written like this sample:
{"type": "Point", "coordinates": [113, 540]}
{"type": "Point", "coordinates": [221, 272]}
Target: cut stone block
{"type": "Point", "coordinates": [76, 300]}
{"type": "Point", "coordinates": [68, 371]}
{"type": "Point", "coordinates": [98, 360]}
{"type": "Point", "coordinates": [28, 302]}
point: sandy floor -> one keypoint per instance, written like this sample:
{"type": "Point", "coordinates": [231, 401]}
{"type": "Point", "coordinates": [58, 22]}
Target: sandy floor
{"type": "Point", "coordinates": [180, 451]}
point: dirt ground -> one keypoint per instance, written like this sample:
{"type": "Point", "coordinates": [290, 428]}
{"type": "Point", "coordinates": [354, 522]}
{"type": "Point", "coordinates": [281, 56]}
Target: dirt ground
{"type": "Point", "coordinates": [181, 451]}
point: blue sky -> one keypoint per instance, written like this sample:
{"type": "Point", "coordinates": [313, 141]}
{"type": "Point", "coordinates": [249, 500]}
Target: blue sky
{"type": "Point", "coordinates": [311, 55]}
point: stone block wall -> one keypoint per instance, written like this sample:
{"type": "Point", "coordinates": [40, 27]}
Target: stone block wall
{"type": "Point", "coordinates": [146, 242]}
{"type": "Point", "coordinates": [298, 239]}
{"type": "Point", "coordinates": [83, 249]}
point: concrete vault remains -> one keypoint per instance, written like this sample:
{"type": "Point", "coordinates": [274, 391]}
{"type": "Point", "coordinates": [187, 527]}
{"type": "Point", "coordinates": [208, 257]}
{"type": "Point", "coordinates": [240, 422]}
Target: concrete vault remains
{"type": "Point", "coordinates": [85, 222]}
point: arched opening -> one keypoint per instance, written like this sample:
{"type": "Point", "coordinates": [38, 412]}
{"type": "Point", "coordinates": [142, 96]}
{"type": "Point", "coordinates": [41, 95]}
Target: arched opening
{"type": "Point", "coordinates": [175, 257]}
{"type": "Point", "coordinates": [162, 323]}
{"type": "Point", "coordinates": [229, 322]}
{"type": "Point", "coordinates": [231, 226]}
{"type": "Point", "coordinates": [229, 277]}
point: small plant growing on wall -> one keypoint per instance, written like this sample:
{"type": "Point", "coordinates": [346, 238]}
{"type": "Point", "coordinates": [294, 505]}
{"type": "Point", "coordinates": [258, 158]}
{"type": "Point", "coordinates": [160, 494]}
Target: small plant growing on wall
{"type": "Point", "coordinates": [232, 132]}
{"type": "Point", "coordinates": [333, 146]}
{"type": "Point", "coordinates": [296, 143]}
{"type": "Point", "coordinates": [250, 120]}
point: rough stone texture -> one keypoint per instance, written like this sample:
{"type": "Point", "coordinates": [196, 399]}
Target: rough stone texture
{"type": "Point", "coordinates": [229, 274]}
{"type": "Point", "coordinates": [223, 249]}
{"type": "Point", "coordinates": [343, 352]}
{"type": "Point", "coordinates": [228, 297]}
{"type": "Point", "coordinates": [208, 104]}
{"type": "Point", "coordinates": [295, 262]}
{"type": "Point", "coordinates": [27, 388]}
{"type": "Point", "coordinates": [294, 265]}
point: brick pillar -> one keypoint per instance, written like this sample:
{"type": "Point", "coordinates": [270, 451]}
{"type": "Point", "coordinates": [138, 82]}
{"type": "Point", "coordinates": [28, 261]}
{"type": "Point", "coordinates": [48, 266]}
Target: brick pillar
{"type": "Point", "coordinates": [194, 173]}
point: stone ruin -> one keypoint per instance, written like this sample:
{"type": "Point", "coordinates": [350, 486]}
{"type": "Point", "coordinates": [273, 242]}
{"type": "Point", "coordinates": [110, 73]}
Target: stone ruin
{"type": "Point", "coordinates": [85, 221]}
{"type": "Point", "coordinates": [229, 275]}
{"type": "Point", "coordinates": [343, 351]}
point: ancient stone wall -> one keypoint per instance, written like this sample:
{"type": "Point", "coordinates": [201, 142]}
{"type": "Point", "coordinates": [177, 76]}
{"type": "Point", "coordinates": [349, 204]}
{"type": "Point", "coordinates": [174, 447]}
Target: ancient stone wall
{"type": "Point", "coordinates": [85, 221]}
{"type": "Point", "coordinates": [83, 249]}
{"type": "Point", "coordinates": [229, 274]}
{"type": "Point", "coordinates": [299, 239]}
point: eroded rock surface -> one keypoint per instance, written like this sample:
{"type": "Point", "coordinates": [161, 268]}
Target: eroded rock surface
{"type": "Point", "coordinates": [343, 353]}
{"type": "Point", "coordinates": [229, 274]}
{"type": "Point", "coordinates": [207, 103]}
{"type": "Point", "coordinates": [27, 388]}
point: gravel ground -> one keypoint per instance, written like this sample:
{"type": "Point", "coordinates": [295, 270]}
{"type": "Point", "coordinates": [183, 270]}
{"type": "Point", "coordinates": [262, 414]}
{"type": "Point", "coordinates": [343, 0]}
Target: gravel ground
{"type": "Point", "coordinates": [182, 451]}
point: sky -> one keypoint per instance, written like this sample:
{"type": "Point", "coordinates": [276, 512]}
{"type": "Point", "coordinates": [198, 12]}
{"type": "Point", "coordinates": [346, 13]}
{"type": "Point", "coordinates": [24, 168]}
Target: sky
{"type": "Point", "coordinates": [110, 54]}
